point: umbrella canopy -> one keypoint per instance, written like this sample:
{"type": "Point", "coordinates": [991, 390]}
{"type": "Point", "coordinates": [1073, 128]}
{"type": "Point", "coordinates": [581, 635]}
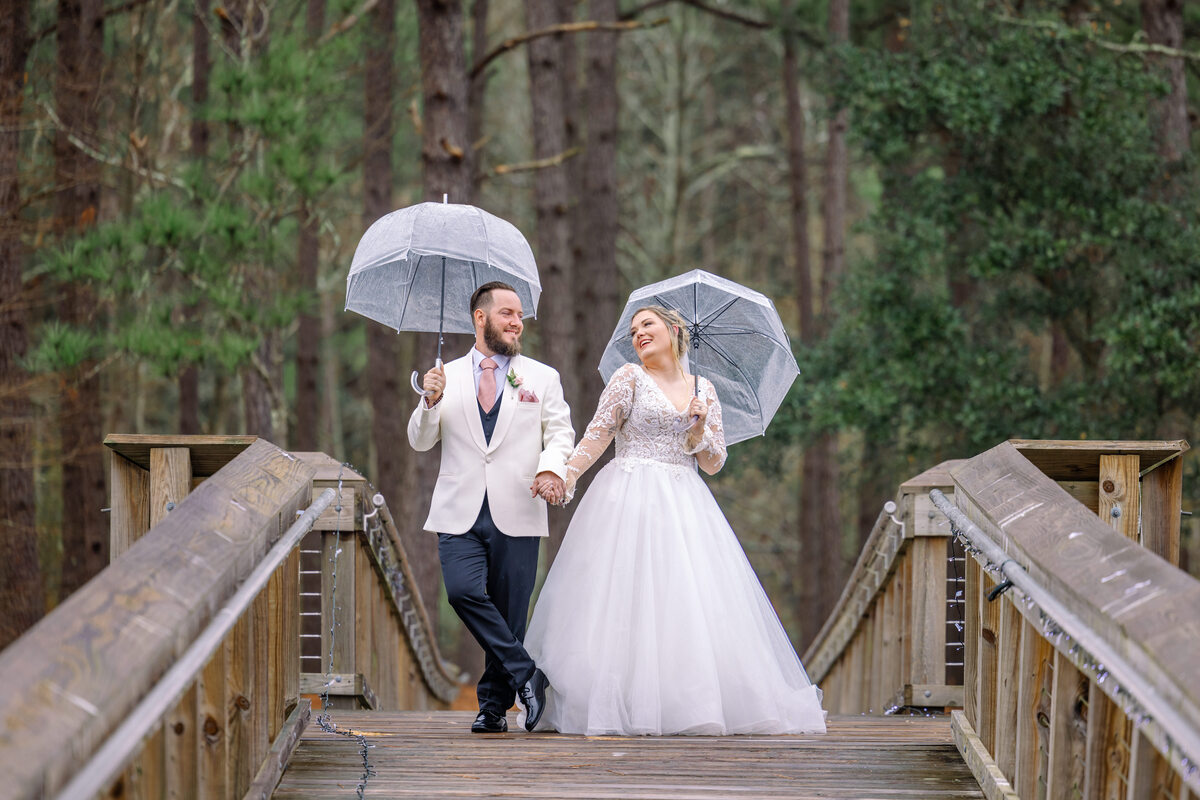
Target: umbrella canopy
{"type": "Point", "coordinates": [738, 342]}
{"type": "Point", "coordinates": [415, 269]}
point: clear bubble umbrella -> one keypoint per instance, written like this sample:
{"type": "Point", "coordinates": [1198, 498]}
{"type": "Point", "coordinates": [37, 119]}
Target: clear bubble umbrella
{"type": "Point", "coordinates": [737, 341]}
{"type": "Point", "coordinates": [416, 268]}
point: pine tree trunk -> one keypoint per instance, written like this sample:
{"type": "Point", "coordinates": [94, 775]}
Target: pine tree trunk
{"type": "Point", "coordinates": [596, 278]}
{"type": "Point", "coordinates": [447, 161]}
{"type": "Point", "coordinates": [80, 34]}
{"type": "Point", "coordinates": [308, 334]}
{"type": "Point", "coordinates": [797, 179]}
{"type": "Point", "coordinates": [477, 88]}
{"type": "Point", "coordinates": [1162, 21]}
{"type": "Point", "coordinates": [821, 566]}
{"type": "Point", "coordinates": [189, 376]}
{"type": "Point", "coordinates": [22, 595]}
{"type": "Point", "coordinates": [256, 395]}
{"type": "Point", "coordinates": [556, 317]}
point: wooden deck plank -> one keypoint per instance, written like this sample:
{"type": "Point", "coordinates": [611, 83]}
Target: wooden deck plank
{"type": "Point", "coordinates": [434, 755]}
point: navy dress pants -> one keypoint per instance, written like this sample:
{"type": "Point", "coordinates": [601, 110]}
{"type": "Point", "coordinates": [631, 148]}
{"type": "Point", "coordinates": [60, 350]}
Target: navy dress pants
{"type": "Point", "coordinates": [489, 579]}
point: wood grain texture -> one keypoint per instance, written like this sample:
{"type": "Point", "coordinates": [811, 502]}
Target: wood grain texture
{"type": "Point", "coordinates": [1162, 498]}
{"type": "Point", "coordinates": [208, 453]}
{"type": "Point", "coordinates": [975, 753]}
{"type": "Point", "coordinates": [1079, 459]}
{"type": "Point", "coordinates": [1124, 598]}
{"type": "Point", "coordinates": [432, 755]}
{"type": "Point", "coordinates": [1068, 730]}
{"type": "Point", "coordinates": [1035, 668]}
{"type": "Point", "coordinates": [1119, 493]}
{"type": "Point", "coordinates": [129, 499]}
{"type": "Point", "coordinates": [170, 480]}
{"type": "Point", "coordinates": [85, 665]}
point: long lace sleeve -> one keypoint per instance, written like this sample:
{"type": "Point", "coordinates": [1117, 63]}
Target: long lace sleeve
{"type": "Point", "coordinates": [709, 449]}
{"type": "Point", "coordinates": [616, 401]}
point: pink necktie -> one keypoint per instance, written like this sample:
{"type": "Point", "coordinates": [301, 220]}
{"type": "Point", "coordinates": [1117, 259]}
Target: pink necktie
{"type": "Point", "coordinates": [487, 385]}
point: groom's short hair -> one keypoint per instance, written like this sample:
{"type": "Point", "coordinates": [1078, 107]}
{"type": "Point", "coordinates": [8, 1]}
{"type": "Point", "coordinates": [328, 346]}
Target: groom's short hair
{"type": "Point", "coordinates": [482, 298]}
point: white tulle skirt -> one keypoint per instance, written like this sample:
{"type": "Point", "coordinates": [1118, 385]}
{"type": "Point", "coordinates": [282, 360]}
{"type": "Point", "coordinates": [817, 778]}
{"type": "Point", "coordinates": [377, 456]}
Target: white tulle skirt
{"type": "Point", "coordinates": [652, 621]}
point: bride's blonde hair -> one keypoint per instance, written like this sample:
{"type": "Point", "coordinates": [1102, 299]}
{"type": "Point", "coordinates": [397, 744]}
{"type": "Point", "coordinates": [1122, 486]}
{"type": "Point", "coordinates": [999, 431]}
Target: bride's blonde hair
{"type": "Point", "coordinates": [680, 338]}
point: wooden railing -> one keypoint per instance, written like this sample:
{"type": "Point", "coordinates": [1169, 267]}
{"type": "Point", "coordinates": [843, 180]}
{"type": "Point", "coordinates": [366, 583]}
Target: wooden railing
{"type": "Point", "coordinates": [176, 672]}
{"type": "Point", "coordinates": [894, 638]}
{"type": "Point", "coordinates": [384, 646]}
{"type": "Point", "coordinates": [1082, 647]}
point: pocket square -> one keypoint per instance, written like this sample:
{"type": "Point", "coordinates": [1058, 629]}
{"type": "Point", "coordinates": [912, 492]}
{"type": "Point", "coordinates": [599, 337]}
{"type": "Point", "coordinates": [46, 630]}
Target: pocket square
{"type": "Point", "coordinates": [526, 396]}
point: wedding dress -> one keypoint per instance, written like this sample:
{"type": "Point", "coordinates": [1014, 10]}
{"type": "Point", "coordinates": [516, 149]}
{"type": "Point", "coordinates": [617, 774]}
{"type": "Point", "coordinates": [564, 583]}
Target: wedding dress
{"type": "Point", "coordinates": [651, 619]}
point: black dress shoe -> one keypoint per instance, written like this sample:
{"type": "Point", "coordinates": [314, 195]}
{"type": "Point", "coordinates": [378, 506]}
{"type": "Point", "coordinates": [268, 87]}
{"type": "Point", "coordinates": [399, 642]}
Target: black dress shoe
{"type": "Point", "coordinates": [533, 695]}
{"type": "Point", "coordinates": [489, 722]}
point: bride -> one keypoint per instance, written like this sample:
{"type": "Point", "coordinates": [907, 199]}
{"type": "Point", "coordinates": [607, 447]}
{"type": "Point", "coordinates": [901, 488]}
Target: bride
{"type": "Point", "coordinates": [651, 620]}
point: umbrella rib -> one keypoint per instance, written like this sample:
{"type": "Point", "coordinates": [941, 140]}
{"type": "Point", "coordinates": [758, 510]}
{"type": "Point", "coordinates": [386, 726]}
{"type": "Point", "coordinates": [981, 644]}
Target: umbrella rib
{"type": "Point", "coordinates": [408, 294]}
{"type": "Point", "coordinates": [745, 332]}
{"type": "Point", "coordinates": [712, 316]}
{"type": "Point", "coordinates": [745, 378]}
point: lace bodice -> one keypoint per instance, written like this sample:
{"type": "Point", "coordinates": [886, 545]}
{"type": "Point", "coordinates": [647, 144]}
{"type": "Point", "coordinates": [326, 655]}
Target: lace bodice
{"type": "Point", "coordinates": [636, 412]}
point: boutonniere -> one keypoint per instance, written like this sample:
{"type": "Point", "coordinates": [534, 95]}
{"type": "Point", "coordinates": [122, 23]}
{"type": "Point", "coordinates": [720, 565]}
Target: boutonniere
{"type": "Point", "coordinates": [523, 395]}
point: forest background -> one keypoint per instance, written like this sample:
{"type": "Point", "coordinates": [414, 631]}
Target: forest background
{"type": "Point", "coordinates": [978, 220]}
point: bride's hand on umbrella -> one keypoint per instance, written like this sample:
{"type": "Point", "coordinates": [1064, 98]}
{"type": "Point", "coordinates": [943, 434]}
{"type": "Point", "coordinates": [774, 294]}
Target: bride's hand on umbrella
{"type": "Point", "coordinates": [434, 382]}
{"type": "Point", "coordinates": [697, 413]}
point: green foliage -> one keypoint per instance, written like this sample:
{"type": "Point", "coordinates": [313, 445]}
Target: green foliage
{"type": "Point", "coordinates": [1022, 201]}
{"type": "Point", "coordinates": [199, 272]}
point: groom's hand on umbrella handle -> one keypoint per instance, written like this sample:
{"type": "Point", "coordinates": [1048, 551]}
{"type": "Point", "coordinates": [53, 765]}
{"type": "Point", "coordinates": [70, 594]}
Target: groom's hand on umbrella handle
{"type": "Point", "coordinates": [434, 382]}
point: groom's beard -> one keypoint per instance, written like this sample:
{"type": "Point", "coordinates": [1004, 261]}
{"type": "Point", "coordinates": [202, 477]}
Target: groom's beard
{"type": "Point", "coordinates": [492, 337]}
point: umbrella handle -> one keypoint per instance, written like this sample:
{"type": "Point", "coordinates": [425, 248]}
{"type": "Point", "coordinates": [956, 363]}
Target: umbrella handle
{"type": "Point", "coordinates": [416, 386]}
{"type": "Point", "coordinates": [683, 423]}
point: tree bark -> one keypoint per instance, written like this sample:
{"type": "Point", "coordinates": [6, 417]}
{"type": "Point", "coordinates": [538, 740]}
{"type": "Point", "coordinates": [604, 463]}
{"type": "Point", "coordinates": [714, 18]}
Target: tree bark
{"type": "Point", "coordinates": [1162, 21]}
{"type": "Point", "coordinates": [551, 194]}
{"type": "Point", "coordinates": [189, 376]}
{"type": "Point", "coordinates": [22, 594]}
{"type": "Point", "coordinates": [477, 89]}
{"type": "Point", "coordinates": [256, 395]}
{"type": "Point", "coordinates": [596, 265]}
{"type": "Point", "coordinates": [797, 178]}
{"type": "Point", "coordinates": [821, 566]}
{"type": "Point", "coordinates": [308, 334]}
{"type": "Point", "coordinates": [78, 67]}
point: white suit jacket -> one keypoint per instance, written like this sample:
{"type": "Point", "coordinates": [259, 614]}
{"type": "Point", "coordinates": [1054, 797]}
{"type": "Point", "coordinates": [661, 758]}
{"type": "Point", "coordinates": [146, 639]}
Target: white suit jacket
{"type": "Point", "coordinates": [530, 437]}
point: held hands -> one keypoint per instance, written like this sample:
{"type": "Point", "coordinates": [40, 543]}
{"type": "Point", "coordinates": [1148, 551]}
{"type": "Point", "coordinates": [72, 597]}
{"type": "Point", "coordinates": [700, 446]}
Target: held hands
{"type": "Point", "coordinates": [434, 381]}
{"type": "Point", "coordinates": [549, 486]}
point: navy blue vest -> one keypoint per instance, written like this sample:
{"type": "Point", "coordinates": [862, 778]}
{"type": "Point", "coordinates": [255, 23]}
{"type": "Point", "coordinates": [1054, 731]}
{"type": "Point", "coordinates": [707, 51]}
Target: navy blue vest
{"type": "Point", "coordinates": [489, 418]}
{"type": "Point", "coordinates": [489, 426]}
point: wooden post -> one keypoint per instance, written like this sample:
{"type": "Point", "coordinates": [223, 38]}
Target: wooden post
{"type": "Point", "coordinates": [1008, 651]}
{"type": "Point", "coordinates": [1162, 500]}
{"type": "Point", "coordinates": [1068, 733]}
{"type": "Point", "coordinates": [179, 732]}
{"type": "Point", "coordinates": [986, 670]}
{"type": "Point", "coordinates": [928, 665]}
{"type": "Point", "coordinates": [170, 480]}
{"type": "Point", "coordinates": [1033, 708]}
{"type": "Point", "coordinates": [1119, 498]}
{"type": "Point", "coordinates": [129, 518]}
{"type": "Point", "coordinates": [211, 716]}
{"type": "Point", "coordinates": [971, 636]}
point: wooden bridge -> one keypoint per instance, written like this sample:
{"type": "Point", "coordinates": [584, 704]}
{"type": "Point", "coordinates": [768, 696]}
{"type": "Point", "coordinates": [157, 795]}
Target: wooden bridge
{"type": "Point", "coordinates": [1016, 626]}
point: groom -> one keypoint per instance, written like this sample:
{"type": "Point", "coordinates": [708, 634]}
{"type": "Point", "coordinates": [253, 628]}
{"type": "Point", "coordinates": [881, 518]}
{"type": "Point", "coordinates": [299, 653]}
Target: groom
{"type": "Point", "coordinates": [506, 435]}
